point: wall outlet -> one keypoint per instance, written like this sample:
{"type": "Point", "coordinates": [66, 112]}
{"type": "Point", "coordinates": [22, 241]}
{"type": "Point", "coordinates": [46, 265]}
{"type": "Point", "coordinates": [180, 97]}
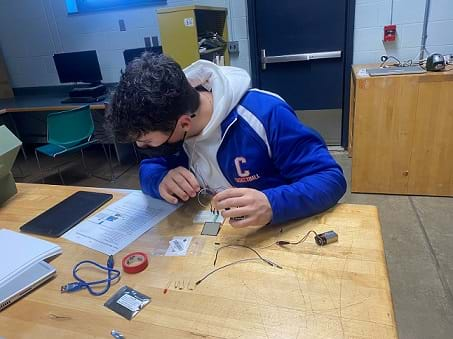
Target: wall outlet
{"type": "Point", "coordinates": [155, 40]}
{"type": "Point", "coordinates": [122, 25]}
{"type": "Point", "coordinates": [233, 47]}
{"type": "Point", "coordinates": [147, 42]}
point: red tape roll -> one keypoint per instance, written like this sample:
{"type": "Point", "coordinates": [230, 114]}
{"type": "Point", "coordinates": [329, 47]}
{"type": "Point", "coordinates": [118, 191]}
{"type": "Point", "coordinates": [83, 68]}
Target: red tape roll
{"type": "Point", "coordinates": [135, 262]}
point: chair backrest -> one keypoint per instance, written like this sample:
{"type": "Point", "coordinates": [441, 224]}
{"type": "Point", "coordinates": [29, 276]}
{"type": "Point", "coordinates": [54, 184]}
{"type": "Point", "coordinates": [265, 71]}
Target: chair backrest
{"type": "Point", "coordinates": [69, 128]}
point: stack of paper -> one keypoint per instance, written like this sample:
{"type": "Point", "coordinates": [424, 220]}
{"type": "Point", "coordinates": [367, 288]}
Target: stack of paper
{"type": "Point", "coordinates": [119, 224]}
{"type": "Point", "coordinates": [18, 252]}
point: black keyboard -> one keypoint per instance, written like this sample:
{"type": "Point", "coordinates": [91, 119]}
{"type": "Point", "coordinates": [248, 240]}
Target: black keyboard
{"type": "Point", "coordinates": [83, 99]}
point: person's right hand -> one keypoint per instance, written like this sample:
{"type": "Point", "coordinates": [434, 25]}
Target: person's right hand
{"type": "Point", "coordinates": [179, 183]}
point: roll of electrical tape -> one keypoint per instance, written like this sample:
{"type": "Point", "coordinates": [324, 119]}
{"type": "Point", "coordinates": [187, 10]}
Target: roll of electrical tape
{"type": "Point", "coordinates": [135, 262]}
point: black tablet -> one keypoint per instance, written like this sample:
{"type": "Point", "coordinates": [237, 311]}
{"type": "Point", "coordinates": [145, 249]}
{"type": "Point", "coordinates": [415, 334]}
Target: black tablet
{"type": "Point", "coordinates": [66, 214]}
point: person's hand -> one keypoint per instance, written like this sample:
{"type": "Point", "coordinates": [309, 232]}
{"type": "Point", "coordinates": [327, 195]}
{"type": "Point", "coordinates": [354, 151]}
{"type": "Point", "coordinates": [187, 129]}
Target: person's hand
{"type": "Point", "coordinates": [248, 203]}
{"type": "Point", "coordinates": [179, 183]}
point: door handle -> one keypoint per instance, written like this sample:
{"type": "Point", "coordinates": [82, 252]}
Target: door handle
{"type": "Point", "coordinates": [296, 57]}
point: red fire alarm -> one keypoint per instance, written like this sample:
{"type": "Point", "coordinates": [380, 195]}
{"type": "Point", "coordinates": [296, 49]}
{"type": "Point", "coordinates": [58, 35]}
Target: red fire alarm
{"type": "Point", "coordinates": [389, 33]}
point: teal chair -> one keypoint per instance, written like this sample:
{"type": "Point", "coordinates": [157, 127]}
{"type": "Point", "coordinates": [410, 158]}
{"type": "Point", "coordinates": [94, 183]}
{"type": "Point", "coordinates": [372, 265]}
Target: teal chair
{"type": "Point", "coordinates": [68, 132]}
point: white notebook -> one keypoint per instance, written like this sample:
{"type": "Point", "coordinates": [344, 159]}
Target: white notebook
{"type": "Point", "coordinates": [18, 252]}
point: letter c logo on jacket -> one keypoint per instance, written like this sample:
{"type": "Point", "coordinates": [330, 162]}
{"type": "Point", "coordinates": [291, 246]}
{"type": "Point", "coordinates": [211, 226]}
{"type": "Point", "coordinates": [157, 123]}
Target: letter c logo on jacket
{"type": "Point", "coordinates": [238, 161]}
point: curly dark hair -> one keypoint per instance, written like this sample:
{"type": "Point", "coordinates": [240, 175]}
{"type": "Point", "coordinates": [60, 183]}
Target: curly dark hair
{"type": "Point", "coordinates": [152, 94]}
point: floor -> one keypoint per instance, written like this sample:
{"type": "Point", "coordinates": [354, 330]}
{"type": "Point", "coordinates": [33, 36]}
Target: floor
{"type": "Point", "coordinates": [417, 231]}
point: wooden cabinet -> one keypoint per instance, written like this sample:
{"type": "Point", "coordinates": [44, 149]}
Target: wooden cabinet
{"type": "Point", "coordinates": [182, 27]}
{"type": "Point", "coordinates": [401, 133]}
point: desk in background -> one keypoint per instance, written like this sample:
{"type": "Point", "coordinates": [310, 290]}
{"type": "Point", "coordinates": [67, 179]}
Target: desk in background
{"type": "Point", "coordinates": [400, 133]}
{"type": "Point", "coordinates": [26, 116]}
{"type": "Point", "coordinates": [337, 291]}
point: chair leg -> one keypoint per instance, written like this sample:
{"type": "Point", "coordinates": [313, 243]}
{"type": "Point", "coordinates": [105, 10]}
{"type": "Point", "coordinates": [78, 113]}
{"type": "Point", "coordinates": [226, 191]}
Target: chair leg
{"type": "Point", "coordinates": [39, 166]}
{"type": "Point", "coordinates": [137, 159]}
{"type": "Point", "coordinates": [59, 173]}
{"type": "Point", "coordinates": [23, 152]}
{"type": "Point", "coordinates": [109, 160]}
{"type": "Point", "coordinates": [84, 164]}
{"type": "Point", "coordinates": [16, 132]}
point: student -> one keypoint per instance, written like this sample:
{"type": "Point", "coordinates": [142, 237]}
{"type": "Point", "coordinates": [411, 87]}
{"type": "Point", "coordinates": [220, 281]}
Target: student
{"type": "Point", "coordinates": [212, 132]}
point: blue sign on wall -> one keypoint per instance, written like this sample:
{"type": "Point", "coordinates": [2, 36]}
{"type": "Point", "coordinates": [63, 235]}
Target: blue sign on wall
{"type": "Point", "coordinates": [82, 6]}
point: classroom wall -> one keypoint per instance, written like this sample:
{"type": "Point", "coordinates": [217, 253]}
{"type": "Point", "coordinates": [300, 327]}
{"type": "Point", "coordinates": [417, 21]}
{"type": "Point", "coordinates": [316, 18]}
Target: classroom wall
{"type": "Point", "coordinates": [31, 31]}
{"type": "Point", "coordinates": [372, 15]}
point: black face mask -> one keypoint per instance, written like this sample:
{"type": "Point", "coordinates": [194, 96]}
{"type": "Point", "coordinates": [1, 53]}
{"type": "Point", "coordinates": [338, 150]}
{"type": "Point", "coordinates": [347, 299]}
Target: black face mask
{"type": "Point", "coordinates": [164, 150]}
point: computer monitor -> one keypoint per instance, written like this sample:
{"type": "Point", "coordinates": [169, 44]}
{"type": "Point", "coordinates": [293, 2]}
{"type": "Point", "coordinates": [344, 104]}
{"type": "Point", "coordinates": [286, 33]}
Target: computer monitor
{"type": "Point", "coordinates": [131, 54]}
{"type": "Point", "coordinates": [78, 67]}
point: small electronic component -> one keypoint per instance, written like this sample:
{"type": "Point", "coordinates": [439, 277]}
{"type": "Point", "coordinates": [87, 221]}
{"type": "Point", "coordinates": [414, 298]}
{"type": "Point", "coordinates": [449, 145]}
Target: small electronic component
{"type": "Point", "coordinates": [116, 334]}
{"type": "Point", "coordinates": [127, 302]}
{"type": "Point", "coordinates": [211, 228]}
{"type": "Point", "coordinates": [167, 287]}
{"type": "Point", "coordinates": [326, 238]}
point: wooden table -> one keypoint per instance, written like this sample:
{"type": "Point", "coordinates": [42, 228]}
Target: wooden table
{"type": "Point", "coordinates": [41, 104]}
{"type": "Point", "coordinates": [400, 133]}
{"type": "Point", "coordinates": [337, 291]}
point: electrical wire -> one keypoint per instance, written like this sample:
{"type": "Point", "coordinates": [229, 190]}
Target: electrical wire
{"type": "Point", "coordinates": [260, 257]}
{"type": "Point", "coordinates": [222, 267]}
{"type": "Point", "coordinates": [399, 63]}
{"type": "Point", "coordinates": [285, 242]}
{"type": "Point", "coordinates": [271, 263]}
{"type": "Point", "coordinates": [112, 275]}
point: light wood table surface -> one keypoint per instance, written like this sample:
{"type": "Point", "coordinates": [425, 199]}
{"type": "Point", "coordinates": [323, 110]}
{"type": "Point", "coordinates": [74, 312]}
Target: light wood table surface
{"type": "Point", "coordinates": [337, 291]}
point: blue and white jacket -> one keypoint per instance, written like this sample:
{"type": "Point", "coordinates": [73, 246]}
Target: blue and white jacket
{"type": "Point", "coordinates": [264, 146]}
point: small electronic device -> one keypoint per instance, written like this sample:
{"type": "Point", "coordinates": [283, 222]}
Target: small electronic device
{"type": "Point", "coordinates": [211, 228]}
{"type": "Point", "coordinates": [127, 302]}
{"type": "Point", "coordinates": [66, 214]}
{"type": "Point", "coordinates": [326, 238]}
{"type": "Point", "coordinates": [435, 62]}
{"type": "Point", "coordinates": [25, 282]}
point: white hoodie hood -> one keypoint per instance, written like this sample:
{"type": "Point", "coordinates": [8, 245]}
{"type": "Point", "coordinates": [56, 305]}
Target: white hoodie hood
{"type": "Point", "coordinates": [228, 85]}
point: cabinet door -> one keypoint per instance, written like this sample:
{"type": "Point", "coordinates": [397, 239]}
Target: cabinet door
{"type": "Point", "coordinates": [431, 163]}
{"type": "Point", "coordinates": [383, 129]}
{"type": "Point", "coordinates": [179, 36]}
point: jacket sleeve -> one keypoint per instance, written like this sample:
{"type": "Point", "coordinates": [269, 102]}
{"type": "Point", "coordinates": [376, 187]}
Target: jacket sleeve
{"type": "Point", "coordinates": [153, 170]}
{"type": "Point", "coordinates": [315, 180]}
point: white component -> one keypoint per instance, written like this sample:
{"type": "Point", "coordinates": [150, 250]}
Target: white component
{"type": "Point", "coordinates": [129, 302]}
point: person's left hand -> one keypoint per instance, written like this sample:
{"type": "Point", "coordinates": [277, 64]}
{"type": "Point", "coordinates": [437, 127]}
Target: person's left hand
{"type": "Point", "coordinates": [249, 203]}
